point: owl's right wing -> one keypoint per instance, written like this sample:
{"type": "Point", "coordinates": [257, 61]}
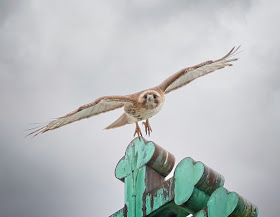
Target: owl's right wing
{"type": "Point", "coordinates": [186, 75]}
{"type": "Point", "coordinates": [98, 106]}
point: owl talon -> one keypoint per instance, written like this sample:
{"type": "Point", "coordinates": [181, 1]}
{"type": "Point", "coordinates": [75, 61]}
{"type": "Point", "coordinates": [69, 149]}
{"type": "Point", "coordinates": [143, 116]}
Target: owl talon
{"type": "Point", "coordinates": [148, 128]}
{"type": "Point", "coordinates": [138, 131]}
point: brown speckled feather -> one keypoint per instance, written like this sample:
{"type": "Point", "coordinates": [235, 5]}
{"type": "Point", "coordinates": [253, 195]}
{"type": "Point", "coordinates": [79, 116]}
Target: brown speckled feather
{"type": "Point", "coordinates": [186, 75]}
{"type": "Point", "coordinates": [98, 106]}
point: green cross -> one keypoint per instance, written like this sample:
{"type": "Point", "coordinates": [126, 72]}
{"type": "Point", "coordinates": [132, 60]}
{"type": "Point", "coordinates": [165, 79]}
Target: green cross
{"type": "Point", "coordinates": [194, 189]}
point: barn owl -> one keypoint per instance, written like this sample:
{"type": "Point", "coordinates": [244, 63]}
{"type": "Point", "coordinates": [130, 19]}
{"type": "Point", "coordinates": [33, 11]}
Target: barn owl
{"type": "Point", "coordinates": [143, 105]}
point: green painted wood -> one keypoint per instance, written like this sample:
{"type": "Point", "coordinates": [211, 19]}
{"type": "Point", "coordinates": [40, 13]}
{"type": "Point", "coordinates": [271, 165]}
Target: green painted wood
{"type": "Point", "coordinates": [159, 196]}
{"type": "Point", "coordinates": [169, 210]}
{"type": "Point", "coordinates": [194, 183]}
{"type": "Point", "coordinates": [134, 191]}
{"type": "Point", "coordinates": [187, 175]}
{"type": "Point", "coordinates": [201, 213]}
{"type": "Point", "coordinates": [143, 167]}
{"type": "Point", "coordinates": [231, 204]}
{"type": "Point", "coordinates": [120, 213]}
{"type": "Point", "coordinates": [139, 153]}
{"type": "Point", "coordinates": [245, 208]}
{"type": "Point", "coordinates": [194, 189]}
{"type": "Point", "coordinates": [197, 201]}
{"type": "Point", "coordinates": [223, 203]}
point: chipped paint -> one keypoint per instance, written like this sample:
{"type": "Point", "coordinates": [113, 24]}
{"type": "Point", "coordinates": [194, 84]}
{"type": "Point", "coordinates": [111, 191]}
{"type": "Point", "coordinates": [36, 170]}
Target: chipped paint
{"type": "Point", "coordinates": [190, 175]}
{"type": "Point", "coordinates": [194, 189]}
{"type": "Point", "coordinates": [119, 213]}
{"type": "Point", "coordinates": [166, 158]}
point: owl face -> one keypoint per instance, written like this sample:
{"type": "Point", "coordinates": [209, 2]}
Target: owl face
{"type": "Point", "coordinates": [150, 99]}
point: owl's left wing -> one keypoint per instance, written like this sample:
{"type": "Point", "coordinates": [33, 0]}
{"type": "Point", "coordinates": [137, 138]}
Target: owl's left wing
{"type": "Point", "coordinates": [186, 75]}
{"type": "Point", "coordinates": [98, 106]}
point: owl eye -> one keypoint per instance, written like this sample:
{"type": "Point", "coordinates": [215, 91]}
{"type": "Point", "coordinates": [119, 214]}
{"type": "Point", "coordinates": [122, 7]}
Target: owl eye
{"type": "Point", "coordinates": [145, 96]}
{"type": "Point", "coordinates": [155, 96]}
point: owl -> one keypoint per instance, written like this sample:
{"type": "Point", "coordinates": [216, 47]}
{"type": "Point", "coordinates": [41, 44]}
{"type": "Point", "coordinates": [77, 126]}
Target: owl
{"type": "Point", "coordinates": [140, 106]}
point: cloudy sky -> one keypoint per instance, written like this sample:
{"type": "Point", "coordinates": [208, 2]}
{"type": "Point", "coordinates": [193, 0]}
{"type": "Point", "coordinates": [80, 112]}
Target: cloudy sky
{"type": "Point", "coordinates": [57, 55]}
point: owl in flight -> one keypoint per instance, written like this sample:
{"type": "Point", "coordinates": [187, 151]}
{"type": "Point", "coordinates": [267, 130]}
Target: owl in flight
{"type": "Point", "coordinates": [142, 105]}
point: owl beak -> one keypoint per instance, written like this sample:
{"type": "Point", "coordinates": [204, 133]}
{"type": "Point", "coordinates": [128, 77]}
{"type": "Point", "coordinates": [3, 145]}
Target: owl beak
{"type": "Point", "coordinates": [149, 98]}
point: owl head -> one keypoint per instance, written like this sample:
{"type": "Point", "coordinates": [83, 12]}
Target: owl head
{"type": "Point", "coordinates": [150, 99]}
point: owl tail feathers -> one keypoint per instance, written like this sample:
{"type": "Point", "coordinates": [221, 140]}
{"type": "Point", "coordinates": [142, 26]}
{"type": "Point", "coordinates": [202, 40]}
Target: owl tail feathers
{"type": "Point", "coordinates": [121, 121]}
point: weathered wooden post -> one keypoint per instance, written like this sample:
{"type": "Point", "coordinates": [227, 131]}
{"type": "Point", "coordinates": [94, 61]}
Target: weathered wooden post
{"type": "Point", "coordinates": [194, 189]}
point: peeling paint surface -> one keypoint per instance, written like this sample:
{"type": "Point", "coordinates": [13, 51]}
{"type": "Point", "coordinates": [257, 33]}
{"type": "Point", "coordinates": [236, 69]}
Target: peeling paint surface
{"type": "Point", "coordinates": [194, 189]}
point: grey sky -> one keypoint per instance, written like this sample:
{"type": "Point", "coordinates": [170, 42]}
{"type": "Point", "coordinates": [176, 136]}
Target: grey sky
{"type": "Point", "coordinates": [58, 55]}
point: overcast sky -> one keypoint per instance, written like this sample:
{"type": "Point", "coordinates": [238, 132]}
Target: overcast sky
{"type": "Point", "coordinates": [57, 55]}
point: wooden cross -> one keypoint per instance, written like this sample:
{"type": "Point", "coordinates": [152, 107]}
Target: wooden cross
{"type": "Point", "coordinates": [194, 189]}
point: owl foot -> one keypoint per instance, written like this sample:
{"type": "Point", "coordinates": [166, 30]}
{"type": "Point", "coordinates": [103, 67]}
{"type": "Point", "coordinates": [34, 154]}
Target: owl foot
{"type": "Point", "coordinates": [137, 131]}
{"type": "Point", "coordinates": [148, 128]}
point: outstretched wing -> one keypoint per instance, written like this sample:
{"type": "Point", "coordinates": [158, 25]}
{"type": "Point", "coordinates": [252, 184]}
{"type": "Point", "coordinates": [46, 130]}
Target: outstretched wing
{"type": "Point", "coordinates": [98, 106]}
{"type": "Point", "coordinates": [186, 75]}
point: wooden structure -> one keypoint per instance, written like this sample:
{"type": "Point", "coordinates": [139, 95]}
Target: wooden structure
{"type": "Point", "coordinates": [194, 189]}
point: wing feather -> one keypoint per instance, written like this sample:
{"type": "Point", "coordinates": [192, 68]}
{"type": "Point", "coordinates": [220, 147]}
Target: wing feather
{"type": "Point", "coordinates": [98, 106]}
{"type": "Point", "coordinates": [186, 75]}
